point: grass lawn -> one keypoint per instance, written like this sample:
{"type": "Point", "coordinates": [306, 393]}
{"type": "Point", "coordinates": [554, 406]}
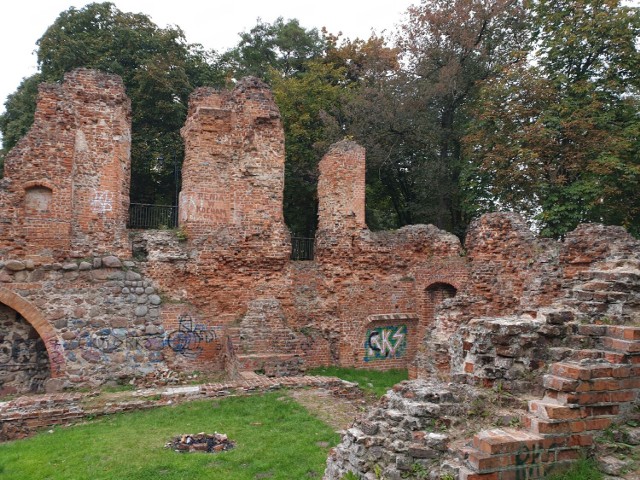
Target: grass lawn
{"type": "Point", "coordinates": [276, 439]}
{"type": "Point", "coordinates": [580, 470]}
{"type": "Point", "coordinates": [373, 381]}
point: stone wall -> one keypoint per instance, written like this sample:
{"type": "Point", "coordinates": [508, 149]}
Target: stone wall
{"type": "Point", "coordinates": [101, 321]}
{"type": "Point", "coordinates": [234, 267]}
{"type": "Point", "coordinates": [227, 296]}
{"type": "Point", "coordinates": [84, 302]}
{"type": "Point", "coordinates": [222, 294]}
{"type": "Point", "coordinates": [569, 334]}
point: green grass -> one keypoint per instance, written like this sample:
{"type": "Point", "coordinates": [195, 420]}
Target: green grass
{"type": "Point", "coordinates": [580, 470]}
{"type": "Point", "coordinates": [374, 381]}
{"type": "Point", "coordinates": [276, 439]}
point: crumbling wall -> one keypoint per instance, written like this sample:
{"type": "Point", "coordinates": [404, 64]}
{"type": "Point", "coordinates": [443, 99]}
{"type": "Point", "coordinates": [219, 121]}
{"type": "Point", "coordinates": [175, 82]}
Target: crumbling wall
{"type": "Point", "coordinates": [235, 268]}
{"type": "Point", "coordinates": [233, 173]}
{"type": "Point", "coordinates": [533, 290]}
{"type": "Point", "coordinates": [100, 320]}
{"type": "Point", "coordinates": [576, 345]}
{"type": "Point", "coordinates": [379, 280]}
{"type": "Point", "coordinates": [65, 190]}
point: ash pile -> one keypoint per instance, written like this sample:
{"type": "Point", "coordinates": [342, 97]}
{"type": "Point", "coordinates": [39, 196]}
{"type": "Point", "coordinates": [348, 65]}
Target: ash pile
{"type": "Point", "coordinates": [201, 442]}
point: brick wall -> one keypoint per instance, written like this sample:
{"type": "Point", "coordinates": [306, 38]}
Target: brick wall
{"type": "Point", "coordinates": [230, 286]}
{"type": "Point", "coordinates": [233, 173]}
{"type": "Point", "coordinates": [66, 186]}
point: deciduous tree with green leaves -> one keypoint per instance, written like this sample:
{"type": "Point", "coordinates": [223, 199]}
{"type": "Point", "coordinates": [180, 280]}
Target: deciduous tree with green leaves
{"type": "Point", "coordinates": [412, 123]}
{"type": "Point", "coordinates": [558, 135]}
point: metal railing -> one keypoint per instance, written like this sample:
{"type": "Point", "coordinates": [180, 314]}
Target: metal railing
{"type": "Point", "coordinates": [301, 248]}
{"type": "Point", "coordinates": [146, 216]}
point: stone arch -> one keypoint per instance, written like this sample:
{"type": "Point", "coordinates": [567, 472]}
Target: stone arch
{"type": "Point", "coordinates": [37, 320]}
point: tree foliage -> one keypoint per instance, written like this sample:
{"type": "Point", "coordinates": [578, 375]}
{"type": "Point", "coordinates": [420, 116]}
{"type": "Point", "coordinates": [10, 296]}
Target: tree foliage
{"type": "Point", "coordinates": [314, 103]}
{"type": "Point", "coordinates": [412, 121]}
{"type": "Point", "coordinates": [280, 47]}
{"type": "Point", "coordinates": [557, 137]}
{"type": "Point", "coordinates": [159, 69]}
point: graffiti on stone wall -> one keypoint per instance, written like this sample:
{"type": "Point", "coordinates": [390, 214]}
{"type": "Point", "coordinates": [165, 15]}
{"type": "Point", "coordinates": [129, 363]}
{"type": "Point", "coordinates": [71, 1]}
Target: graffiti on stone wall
{"type": "Point", "coordinates": [385, 342]}
{"type": "Point", "coordinates": [102, 202]}
{"type": "Point", "coordinates": [188, 340]}
{"type": "Point", "coordinates": [190, 336]}
{"type": "Point", "coordinates": [109, 340]}
{"type": "Point", "coordinates": [20, 352]}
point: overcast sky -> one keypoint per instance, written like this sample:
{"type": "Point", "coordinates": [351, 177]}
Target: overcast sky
{"type": "Point", "coordinates": [213, 23]}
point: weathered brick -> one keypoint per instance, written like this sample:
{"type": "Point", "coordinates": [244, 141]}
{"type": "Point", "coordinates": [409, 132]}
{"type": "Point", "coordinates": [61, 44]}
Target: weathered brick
{"type": "Point", "coordinates": [623, 346]}
{"type": "Point", "coordinates": [560, 384]}
{"type": "Point", "coordinates": [571, 371]}
{"type": "Point", "coordinates": [624, 332]}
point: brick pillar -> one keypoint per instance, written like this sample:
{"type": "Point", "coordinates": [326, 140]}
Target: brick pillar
{"type": "Point", "coordinates": [102, 167]}
{"type": "Point", "coordinates": [67, 179]}
{"type": "Point", "coordinates": [233, 172]}
{"type": "Point", "coordinates": [341, 197]}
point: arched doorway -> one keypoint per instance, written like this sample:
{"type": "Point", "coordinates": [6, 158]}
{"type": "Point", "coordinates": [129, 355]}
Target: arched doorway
{"type": "Point", "coordinates": [26, 331]}
{"type": "Point", "coordinates": [24, 362]}
{"type": "Point", "coordinates": [434, 295]}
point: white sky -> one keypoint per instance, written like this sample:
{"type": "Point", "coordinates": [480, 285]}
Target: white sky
{"type": "Point", "coordinates": [212, 23]}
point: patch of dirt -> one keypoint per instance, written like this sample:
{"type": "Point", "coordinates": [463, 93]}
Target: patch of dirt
{"type": "Point", "coordinates": [337, 412]}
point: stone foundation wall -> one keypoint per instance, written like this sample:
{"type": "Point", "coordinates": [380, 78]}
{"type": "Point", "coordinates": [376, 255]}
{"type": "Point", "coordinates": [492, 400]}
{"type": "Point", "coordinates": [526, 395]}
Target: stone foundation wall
{"type": "Point", "coordinates": [101, 319]}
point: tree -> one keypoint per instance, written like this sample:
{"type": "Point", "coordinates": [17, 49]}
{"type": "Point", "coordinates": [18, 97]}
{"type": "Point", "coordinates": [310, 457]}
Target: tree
{"type": "Point", "coordinates": [413, 120]}
{"type": "Point", "coordinates": [159, 69]}
{"type": "Point", "coordinates": [282, 47]}
{"type": "Point", "coordinates": [313, 103]}
{"type": "Point", "coordinates": [18, 117]}
{"type": "Point", "coordinates": [558, 138]}
{"type": "Point", "coordinates": [308, 104]}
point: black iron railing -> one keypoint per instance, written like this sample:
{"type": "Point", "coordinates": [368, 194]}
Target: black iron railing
{"type": "Point", "coordinates": [152, 216]}
{"type": "Point", "coordinates": [301, 248]}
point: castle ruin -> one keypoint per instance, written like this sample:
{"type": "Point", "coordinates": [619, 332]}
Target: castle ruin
{"type": "Point", "coordinates": [84, 300]}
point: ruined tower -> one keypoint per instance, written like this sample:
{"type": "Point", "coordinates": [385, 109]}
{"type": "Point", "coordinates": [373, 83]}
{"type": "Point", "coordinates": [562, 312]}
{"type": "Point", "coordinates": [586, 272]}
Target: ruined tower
{"type": "Point", "coordinates": [66, 185]}
{"type": "Point", "coordinates": [234, 169]}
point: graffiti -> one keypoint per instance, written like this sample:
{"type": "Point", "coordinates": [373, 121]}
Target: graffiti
{"type": "Point", "coordinates": [204, 206]}
{"type": "Point", "coordinates": [20, 352]}
{"type": "Point", "coordinates": [385, 342]}
{"type": "Point", "coordinates": [188, 340]}
{"type": "Point", "coordinates": [110, 340]}
{"type": "Point", "coordinates": [528, 463]}
{"type": "Point", "coordinates": [190, 336]}
{"type": "Point", "coordinates": [102, 202]}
